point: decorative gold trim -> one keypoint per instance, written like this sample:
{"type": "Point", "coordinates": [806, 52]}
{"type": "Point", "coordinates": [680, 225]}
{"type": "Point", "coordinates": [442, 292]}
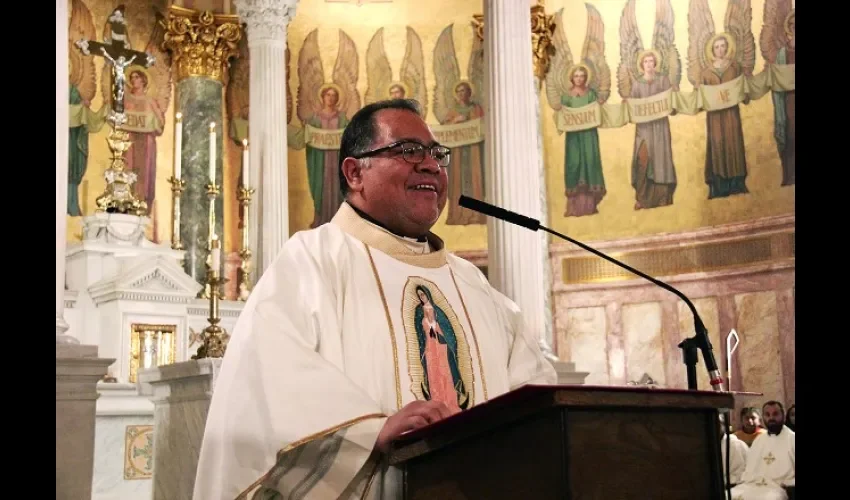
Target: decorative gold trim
{"type": "Point", "coordinates": [474, 337]}
{"type": "Point", "coordinates": [296, 444]}
{"type": "Point", "coordinates": [389, 325]}
{"type": "Point", "coordinates": [703, 257]}
{"type": "Point", "coordinates": [201, 43]}
{"type": "Point", "coordinates": [165, 337]}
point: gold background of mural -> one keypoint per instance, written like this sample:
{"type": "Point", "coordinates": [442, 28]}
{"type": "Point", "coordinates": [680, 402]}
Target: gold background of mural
{"type": "Point", "coordinates": [616, 218]}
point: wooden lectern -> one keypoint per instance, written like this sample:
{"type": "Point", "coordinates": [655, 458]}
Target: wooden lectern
{"type": "Point", "coordinates": [571, 443]}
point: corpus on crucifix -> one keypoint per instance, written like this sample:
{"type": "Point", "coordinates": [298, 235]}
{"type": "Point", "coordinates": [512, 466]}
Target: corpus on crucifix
{"type": "Point", "coordinates": [118, 55]}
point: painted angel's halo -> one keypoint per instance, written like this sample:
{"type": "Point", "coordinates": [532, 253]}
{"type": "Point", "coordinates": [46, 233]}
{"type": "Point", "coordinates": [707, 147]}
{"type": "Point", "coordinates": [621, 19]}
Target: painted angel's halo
{"type": "Point", "coordinates": [789, 21]}
{"type": "Point", "coordinates": [580, 66]}
{"type": "Point", "coordinates": [327, 86]}
{"type": "Point", "coordinates": [648, 52]}
{"type": "Point", "coordinates": [730, 44]}
{"type": "Point", "coordinates": [401, 85]}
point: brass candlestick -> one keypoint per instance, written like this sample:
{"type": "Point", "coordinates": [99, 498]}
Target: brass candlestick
{"type": "Point", "coordinates": [244, 197]}
{"type": "Point", "coordinates": [212, 192]}
{"type": "Point", "coordinates": [214, 336]}
{"type": "Point", "coordinates": [177, 187]}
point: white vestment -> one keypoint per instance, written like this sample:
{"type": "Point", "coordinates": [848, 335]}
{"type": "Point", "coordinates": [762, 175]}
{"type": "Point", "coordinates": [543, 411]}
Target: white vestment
{"type": "Point", "coordinates": [737, 458]}
{"type": "Point", "coordinates": [349, 324]}
{"type": "Point", "coordinates": [770, 466]}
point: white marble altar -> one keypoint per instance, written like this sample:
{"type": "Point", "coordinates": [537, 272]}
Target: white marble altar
{"type": "Point", "coordinates": [181, 394]}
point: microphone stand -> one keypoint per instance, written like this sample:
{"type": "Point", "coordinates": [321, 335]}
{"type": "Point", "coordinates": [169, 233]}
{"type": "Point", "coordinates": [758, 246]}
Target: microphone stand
{"type": "Point", "coordinates": [689, 346]}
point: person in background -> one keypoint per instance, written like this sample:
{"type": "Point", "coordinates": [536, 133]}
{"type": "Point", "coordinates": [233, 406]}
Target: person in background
{"type": "Point", "coordinates": [751, 427]}
{"type": "Point", "coordinates": [737, 456]}
{"type": "Point", "coordinates": [771, 460]}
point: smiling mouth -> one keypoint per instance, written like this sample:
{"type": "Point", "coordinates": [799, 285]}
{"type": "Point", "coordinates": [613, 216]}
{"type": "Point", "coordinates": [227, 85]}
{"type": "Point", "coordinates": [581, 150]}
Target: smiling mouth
{"type": "Point", "coordinates": [424, 187]}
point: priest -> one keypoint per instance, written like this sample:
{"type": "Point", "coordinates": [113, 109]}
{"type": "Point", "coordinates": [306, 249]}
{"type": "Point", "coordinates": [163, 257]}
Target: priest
{"type": "Point", "coordinates": [362, 329]}
{"type": "Point", "coordinates": [771, 470]}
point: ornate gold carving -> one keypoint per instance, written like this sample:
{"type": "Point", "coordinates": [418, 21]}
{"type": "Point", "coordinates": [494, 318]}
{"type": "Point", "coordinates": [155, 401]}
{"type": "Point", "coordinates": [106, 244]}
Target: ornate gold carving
{"type": "Point", "coordinates": [150, 346]}
{"type": "Point", "coordinates": [201, 43]}
{"type": "Point", "coordinates": [542, 29]}
{"type": "Point", "coordinates": [118, 196]}
{"type": "Point", "coordinates": [703, 257]}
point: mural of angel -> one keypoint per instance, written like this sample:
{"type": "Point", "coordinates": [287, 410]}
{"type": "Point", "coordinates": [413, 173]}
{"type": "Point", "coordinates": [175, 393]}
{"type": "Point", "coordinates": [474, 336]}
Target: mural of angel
{"type": "Point", "coordinates": [714, 59]}
{"type": "Point", "coordinates": [779, 46]}
{"type": "Point", "coordinates": [237, 95]}
{"type": "Point", "coordinates": [326, 106]}
{"type": "Point", "coordinates": [83, 87]}
{"type": "Point", "coordinates": [379, 74]}
{"type": "Point", "coordinates": [577, 84]}
{"type": "Point", "coordinates": [644, 73]}
{"type": "Point", "coordinates": [145, 101]}
{"type": "Point", "coordinates": [457, 101]}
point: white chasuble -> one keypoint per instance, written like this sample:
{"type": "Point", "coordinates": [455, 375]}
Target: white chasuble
{"type": "Point", "coordinates": [348, 325]}
{"type": "Point", "coordinates": [771, 464]}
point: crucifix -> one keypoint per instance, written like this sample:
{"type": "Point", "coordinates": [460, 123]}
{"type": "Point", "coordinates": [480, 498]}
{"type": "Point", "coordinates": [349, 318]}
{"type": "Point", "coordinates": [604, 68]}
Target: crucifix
{"type": "Point", "coordinates": [118, 55]}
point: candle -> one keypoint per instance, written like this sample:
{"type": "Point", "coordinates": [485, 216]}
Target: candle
{"type": "Point", "coordinates": [216, 254]}
{"type": "Point", "coordinates": [212, 153]}
{"type": "Point", "coordinates": [246, 165]}
{"type": "Point", "coordinates": [178, 145]}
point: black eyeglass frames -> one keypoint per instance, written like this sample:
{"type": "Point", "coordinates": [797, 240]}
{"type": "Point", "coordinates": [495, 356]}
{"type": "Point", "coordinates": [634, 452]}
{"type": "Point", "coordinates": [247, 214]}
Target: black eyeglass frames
{"type": "Point", "coordinates": [413, 152]}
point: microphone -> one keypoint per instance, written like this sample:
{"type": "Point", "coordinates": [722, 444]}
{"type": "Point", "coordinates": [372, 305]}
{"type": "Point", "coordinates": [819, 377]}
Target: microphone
{"type": "Point", "coordinates": [689, 346]}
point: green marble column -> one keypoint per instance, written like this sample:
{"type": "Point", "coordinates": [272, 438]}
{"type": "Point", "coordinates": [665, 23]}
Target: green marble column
{"type": "Point", "coordinates": [200, 44]}
{"type": "Point", "coordinates": [199, 99]}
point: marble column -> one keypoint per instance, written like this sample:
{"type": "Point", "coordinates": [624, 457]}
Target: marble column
{"type": "Point", "coordinates": [200, 88]}
{"type": "Point", "coordinates": [512, 157]}
{"type": "Point", "coordinates": [266, 23]}
{"type": "Point", "coordinates": [62, 89]}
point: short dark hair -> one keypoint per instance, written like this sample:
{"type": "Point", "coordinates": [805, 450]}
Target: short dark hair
{"type": "Point", "coordinates": [360, 131]}
{"type": "Point", "coordinates": [774, 403]}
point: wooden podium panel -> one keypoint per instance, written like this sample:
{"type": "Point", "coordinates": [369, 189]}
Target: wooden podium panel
{"type": "Point", "coordinates": [571, 442]}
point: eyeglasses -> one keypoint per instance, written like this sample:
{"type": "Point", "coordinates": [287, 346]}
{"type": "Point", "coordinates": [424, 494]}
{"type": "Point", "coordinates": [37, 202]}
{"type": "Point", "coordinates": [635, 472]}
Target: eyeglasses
{"type": "Point", "coordinates": [413, 152]}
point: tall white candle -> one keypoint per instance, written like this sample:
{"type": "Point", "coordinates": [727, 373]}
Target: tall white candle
{"type": "Point", "coordinates": [212, 153]}
{"type": "Point", "coordinates": [178, 145]}
{"type": "Point", "coordinates": [246, 165]}
{"type": "Point", "coordinates": [216, 254]}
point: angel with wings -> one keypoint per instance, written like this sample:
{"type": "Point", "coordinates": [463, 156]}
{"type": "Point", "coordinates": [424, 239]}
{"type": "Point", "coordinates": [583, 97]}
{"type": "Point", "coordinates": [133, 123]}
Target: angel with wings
{"type": "Point", "coordinates": [82, 79]}
{"type": "Point", "coordinates": [457, 101]}
{"type": "Point", "coordinates": [779, 46]}
{"type": "Point", "coordinates": [714, 59]}
{"type": "Point", "coordinates": [644, 73]}
{"type": "Point", "coordinates": [576, 84]}
{"type": "Point", "coordinates": [379, 74]}
{"type": "Point", "coordinates": [328, 106]}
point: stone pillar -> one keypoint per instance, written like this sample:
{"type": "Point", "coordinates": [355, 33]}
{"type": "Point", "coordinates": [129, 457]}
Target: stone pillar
{"type": "Point", "coordinates": [266, 23]}
{"type": "Point", "coordinates": [181, 394]}
{"type": "Point", "coordinates": [62, 89]}
{"type": "Point", "coordinates": [77, 372]}
{"type": "Point", "coordinates": [200, 85]}
{"type": "Point", "coordinates": [512, 158]}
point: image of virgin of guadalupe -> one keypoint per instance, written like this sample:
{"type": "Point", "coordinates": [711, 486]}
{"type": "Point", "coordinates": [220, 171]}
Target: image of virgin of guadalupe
{"type": "Point", "coordinates": [438, 354]}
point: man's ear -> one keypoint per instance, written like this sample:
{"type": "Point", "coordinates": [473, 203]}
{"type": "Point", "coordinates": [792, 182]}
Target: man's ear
{"type": "Point", "coordinates": [353, 173]}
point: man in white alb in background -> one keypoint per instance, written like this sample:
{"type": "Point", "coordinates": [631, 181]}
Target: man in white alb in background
{"type": "Point", "coordinates": [737, 456]}
{"type": "Point", "coordinates": [362, 329]}
{"type": "Point", "coordinates": [770, 461]}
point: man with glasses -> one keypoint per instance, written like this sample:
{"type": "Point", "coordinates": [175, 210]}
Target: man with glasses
{"type": "Point", "coordinates": [361, 330]}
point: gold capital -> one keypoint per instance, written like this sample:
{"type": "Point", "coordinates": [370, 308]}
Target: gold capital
{"type": "Point", "coordinates": [201, 43]}
{"type": "Point", "coordinates": [542, 29]}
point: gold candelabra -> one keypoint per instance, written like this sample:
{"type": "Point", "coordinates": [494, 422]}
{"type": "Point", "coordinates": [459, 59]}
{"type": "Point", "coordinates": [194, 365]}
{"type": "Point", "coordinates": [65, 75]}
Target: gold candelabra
{"type": "Point", "coordinates": [177, 187]}
{"type": "Point", "coordinates": [214, 336]}
{"type": "Point", "coordinates": [244, 197]}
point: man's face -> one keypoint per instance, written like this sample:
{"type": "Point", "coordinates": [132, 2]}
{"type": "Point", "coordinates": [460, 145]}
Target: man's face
{"type": "Point", "coordinates": [751, 422]}
{"type": "Point", "coordinates": [392, 189]}
{"type": "Point", "coordinates": [774, 419]}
